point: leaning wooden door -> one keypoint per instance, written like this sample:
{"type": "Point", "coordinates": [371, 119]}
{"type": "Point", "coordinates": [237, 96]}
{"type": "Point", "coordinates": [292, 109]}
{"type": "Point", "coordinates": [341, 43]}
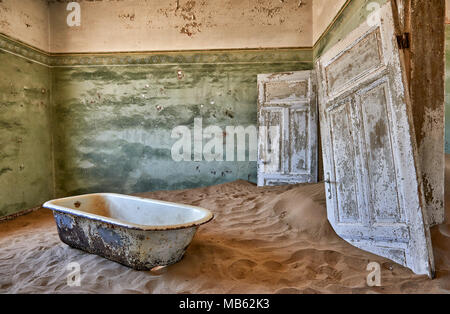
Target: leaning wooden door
{"type": "Point", "coordinates": [373, 187]}
{"type": "Point", "coordinates": [287, 141]}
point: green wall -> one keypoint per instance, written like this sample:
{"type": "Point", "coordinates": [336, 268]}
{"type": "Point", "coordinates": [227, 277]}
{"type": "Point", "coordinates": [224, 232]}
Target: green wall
{"type": "Point", "coordinates": [104, 122]}
{"type": "Point", "coordinates": [26, 176]}
{"type": "Point", "coordinates": [110, 135]}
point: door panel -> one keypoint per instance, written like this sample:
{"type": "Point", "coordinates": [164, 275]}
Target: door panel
{"type": "Point", "coordinates": [299, 143]}
{"type": "Point", "coordinates": [383, 195]}
{"type": "Point", "coordinates": [344, 169]}
{"type": "Point", "coordinates": [374, 193]}
{"type": "Point", "coordinates": [287, 118]}
{"type": "Point", "coordinates": [271, 150]}
{"type": "Point", "coordinates": [285, 91]}
{"type": "Point", "coordinates": [362, 58]}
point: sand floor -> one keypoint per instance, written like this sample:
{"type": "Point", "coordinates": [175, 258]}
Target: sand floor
{"type": "Point", "coordinates": [269, 240]}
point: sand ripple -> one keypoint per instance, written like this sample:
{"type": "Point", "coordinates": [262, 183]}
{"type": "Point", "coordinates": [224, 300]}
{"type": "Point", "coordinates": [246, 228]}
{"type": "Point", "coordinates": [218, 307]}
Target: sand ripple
{"type": "Point", "coordinates": [268, 240]}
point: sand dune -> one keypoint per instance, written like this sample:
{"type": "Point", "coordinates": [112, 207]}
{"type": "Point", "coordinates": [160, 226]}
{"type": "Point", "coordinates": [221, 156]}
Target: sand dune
{"type": "Point", "coordinates": [269, 240]}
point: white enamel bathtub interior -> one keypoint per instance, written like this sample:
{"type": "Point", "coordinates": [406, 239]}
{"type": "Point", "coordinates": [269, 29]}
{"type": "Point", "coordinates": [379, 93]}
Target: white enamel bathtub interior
{"type": "Point", "coordinates": [132, 212]}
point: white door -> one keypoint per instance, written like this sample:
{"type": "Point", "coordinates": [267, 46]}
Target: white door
{"type": "Point", "coordinates": [287, 122]}
{"type": "Point", "coordinates": [373, 187]}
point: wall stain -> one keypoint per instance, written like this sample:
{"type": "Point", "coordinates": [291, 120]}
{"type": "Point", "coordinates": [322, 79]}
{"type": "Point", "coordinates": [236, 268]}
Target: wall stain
{"type": "Point", "coordinates": [127, 16]}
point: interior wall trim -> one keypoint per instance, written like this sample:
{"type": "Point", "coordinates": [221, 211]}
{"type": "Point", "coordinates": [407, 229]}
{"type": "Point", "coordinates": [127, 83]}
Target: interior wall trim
{"type": "Point", "coordinates": [207, 56]}
{"type": "Point", "coordinates": [228, 56]}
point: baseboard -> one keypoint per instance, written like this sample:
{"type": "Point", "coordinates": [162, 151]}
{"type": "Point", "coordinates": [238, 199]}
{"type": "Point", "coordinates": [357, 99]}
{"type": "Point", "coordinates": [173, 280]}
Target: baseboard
{"type": "Point", "coordinates": [18, 214]}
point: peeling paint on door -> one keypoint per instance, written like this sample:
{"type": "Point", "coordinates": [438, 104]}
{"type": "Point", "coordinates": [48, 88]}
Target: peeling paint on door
{"type": "Point", "coordinates": [370, 153]}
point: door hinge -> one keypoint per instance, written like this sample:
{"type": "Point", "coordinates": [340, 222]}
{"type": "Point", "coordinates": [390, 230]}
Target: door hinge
{"type": "Point", "coordinates": [403, 41]}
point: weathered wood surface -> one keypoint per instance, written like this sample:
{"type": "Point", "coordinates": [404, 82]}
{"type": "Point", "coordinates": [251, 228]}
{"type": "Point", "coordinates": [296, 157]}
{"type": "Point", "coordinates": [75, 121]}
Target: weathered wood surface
{"type": "Point", "coordinates": [375, 197]}
{"type": "Point", "coordinates": [427, 89]}
{"type": "Point", "coordinates": [287, 115]}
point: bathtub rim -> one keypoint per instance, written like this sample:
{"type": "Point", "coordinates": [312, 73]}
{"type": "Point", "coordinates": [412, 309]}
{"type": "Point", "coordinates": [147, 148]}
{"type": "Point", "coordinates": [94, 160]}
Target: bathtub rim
{"type": "Point", "coordinates": [128, 225]}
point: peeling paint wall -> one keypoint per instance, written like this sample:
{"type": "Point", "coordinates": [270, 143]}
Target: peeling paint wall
{"type": "Point", "coordinates": [155, 25]}
{"type": "Point", "coordinates": [112, 114]}
{"type": "Point", "coordinates": [114, 122]}
{"type": "Point", "coordinates": [27, 21]}
{"type": "Point", "coordinates": [26, 176]}
{"type": "Point", "coordinates": [149, 25]}
{"type": "Point", "coordinates": [324, 12]}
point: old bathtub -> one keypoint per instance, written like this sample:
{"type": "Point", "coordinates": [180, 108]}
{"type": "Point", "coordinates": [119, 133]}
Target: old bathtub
{"type": "Point", "coordinates": [137, 232]}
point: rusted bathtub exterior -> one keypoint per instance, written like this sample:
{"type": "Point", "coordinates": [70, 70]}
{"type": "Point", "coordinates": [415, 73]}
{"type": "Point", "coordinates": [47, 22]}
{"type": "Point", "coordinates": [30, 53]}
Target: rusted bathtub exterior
{"type": "Point", "coordinates": [95, 223]}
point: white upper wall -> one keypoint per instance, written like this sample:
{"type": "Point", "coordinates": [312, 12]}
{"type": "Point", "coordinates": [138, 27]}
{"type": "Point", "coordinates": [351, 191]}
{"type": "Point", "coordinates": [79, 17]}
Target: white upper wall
{"type": "Point", "coordinates": [149, 25]}
{"type": "Point", "coordinates": [27, 21]}
{"type": "Point", "coordinates": [324, 12]}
